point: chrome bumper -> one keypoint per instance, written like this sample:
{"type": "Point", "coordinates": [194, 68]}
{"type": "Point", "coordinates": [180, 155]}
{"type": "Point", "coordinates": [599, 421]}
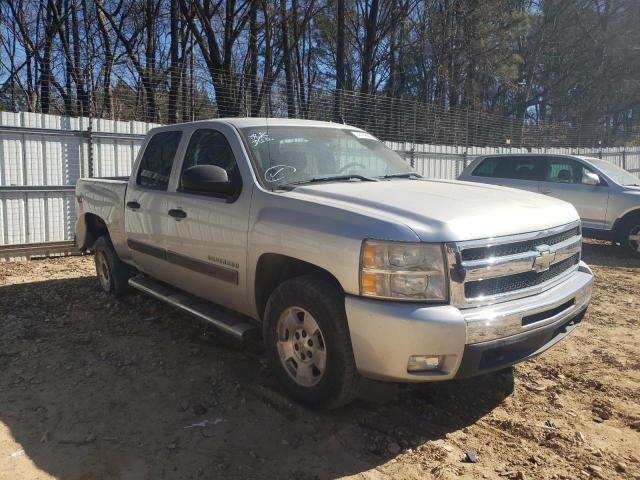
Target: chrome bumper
{"type": "Point", "coordinates": [552, 306]}
{"type": "Point", "coordinates": [385, 334]}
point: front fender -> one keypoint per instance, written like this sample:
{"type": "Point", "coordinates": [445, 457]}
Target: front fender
{"type": "Point", "coordinates": [325, 236]}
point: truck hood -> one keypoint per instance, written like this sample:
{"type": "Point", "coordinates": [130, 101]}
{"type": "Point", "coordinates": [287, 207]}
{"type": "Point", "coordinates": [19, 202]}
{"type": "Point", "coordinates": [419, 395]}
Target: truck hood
{"type": "Point", "coordinates": [445, 210]}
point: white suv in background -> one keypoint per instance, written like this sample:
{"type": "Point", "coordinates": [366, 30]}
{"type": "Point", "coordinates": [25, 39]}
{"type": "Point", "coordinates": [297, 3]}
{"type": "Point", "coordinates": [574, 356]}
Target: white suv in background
{"type": "Point", "coordinates": [606, 196]}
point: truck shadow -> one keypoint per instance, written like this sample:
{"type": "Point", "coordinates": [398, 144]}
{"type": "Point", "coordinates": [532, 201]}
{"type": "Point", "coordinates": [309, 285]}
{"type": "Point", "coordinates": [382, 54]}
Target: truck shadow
{"type": "Point", "coordinates": [605, 254]}
{"type": "Point", "coordinates": [92, 387]}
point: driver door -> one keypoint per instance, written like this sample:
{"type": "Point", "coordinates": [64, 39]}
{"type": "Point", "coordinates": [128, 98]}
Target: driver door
{"type": "Point", "coordinates": [207, 242]}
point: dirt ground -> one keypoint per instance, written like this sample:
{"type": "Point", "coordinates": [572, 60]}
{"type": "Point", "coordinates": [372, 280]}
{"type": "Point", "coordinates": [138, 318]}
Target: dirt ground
{"type": "Point", "coordinates": [93, 388]}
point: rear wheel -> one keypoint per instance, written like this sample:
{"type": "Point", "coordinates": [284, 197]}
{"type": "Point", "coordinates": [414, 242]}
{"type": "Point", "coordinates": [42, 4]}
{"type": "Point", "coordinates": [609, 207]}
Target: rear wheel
{"type": "Point", "coordinates": [308, 344]}
{"type": "Point", "coordinates": [630, 235]}
{"type": "Point", "coordinates": [112, 273]}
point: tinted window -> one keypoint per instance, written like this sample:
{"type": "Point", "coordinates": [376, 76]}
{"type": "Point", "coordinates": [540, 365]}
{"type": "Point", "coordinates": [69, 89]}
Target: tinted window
{"type": "Point", "coordinates": [155, 166]}
{"type": "Point", "coordinates": [521, 168]}
{"type": "Point", "coordinates": [565, 170]}
{"type": "Point", "coordinates": [210, 147]}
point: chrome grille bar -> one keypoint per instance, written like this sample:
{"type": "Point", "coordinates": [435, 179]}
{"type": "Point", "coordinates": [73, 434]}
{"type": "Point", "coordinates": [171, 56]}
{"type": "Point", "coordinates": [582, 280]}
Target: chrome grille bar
{"type": "Point", "coordinates": [537, 252]}
{"type": "Point", "coordinates": [522, 262]}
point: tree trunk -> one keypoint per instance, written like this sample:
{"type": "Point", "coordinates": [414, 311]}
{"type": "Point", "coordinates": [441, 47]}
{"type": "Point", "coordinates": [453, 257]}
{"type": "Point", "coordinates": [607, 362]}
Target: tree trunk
{"type": "Point", "coordinates": [174, 74]}
{"type": "Point", "coordinates": [107, 103]}
{"type": "Point", "coordinates": [368, 57]}
{"type": "Point", "coordinates": [150, 61]}
{"type": "Point", "coordinates": [253, 55]}
{"type": "Point", "coordinates": [340, 72]}
{"type": "Point", "coordinates": [286, 53]}
{"type": "Point", "coordinates": [46, 72]}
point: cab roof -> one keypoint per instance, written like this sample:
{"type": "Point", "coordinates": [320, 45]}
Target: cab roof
{"type": "Point", "coordinates": [244, 122]}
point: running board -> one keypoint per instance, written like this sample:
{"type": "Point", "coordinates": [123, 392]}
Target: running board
{"type": "Point", "coordinates": [227, 321]}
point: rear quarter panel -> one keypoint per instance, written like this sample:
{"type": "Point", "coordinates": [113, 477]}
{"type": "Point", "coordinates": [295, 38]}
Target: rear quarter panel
{"type": "Point", "coordinates": [105, 199]}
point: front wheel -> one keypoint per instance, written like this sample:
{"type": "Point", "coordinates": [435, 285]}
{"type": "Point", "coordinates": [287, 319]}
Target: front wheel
{"type": "Point", "coordinates": [308, 344]}
{"type": "Point", "coordinates": [630, 235]}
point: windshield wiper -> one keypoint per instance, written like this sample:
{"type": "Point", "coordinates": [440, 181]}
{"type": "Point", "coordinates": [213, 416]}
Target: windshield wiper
{"type": "Point", "coordinates": [363, 178]}
{"type": "Point", "coordinates": [401, 175]}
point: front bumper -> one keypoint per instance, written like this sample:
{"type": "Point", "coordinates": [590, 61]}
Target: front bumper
{"type": "Point", "coordinates": [471, 341]}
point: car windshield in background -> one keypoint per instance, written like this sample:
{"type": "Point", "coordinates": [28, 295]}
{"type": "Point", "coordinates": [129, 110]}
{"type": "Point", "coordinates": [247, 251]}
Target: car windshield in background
{"type": "Point", "coordinates": [615, 173]}
{"type": "Point", "coordinates": [299, 155]}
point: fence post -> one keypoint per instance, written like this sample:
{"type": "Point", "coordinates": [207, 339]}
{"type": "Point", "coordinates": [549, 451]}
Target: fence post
{"type": "Point", "coordinates": [413, 142]}
{"type": "Point", "coordinates": [466, 133]}
{"type": "Point", "coordinates": [464, 162]}
{"type": "Point", "coordinates": [624, 157]}
{"type": "Point", "coordinates": [90, 172]}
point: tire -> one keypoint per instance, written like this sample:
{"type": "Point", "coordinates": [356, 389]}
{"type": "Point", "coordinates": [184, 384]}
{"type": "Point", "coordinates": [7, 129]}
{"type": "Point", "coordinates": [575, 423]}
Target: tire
{"type": "Point", "coordinates": [630, 235]}
{"type": "Point", "coordinates": [113, 274]}
{"type": "Point", "coordinates": [301, 305]}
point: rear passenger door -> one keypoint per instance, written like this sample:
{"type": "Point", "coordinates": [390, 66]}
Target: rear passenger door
{"type": "Point", "coordinates": [563, 180]}
{"type": "Point", "coordinates": [146, 204]}
{"type": "Point", "coordinates": [522, 172]}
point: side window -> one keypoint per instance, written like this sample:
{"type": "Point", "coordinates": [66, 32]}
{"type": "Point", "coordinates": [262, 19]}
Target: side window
{"type": "Point", "coordinates": [157, 160]}
{"type": "Point", "coordinates": [519, 168]}
{"type": "Point", "coordinates": [210, 147]}
{"type": "Point", "coordinates": [486, 168]}
{"type": "Point", "coordinates": [565, 170]}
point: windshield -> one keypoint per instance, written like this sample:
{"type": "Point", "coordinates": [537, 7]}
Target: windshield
{"type": "Point", "coordinates": [295, 155]}
{"type": "Point", "coordinates": [615, 173]}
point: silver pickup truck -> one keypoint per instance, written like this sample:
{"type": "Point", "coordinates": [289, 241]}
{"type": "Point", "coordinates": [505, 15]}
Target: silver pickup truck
{"type": "Point", "coordinates": [323, 241]}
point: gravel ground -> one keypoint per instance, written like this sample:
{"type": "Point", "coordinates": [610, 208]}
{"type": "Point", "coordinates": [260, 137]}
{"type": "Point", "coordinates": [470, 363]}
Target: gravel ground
{"type": "Point", "coordinates": [94, 388]}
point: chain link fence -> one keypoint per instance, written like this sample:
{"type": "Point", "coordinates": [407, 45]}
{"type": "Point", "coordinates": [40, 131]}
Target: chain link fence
{"type": "Point", "coordinates": [197, 93]}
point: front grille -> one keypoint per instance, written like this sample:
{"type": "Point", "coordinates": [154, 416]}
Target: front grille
{"type": "Point", "coordinates": [479, 253]}
{"type": "Point", "coordinates": [498, 269]}
{"type": "Point", "coordinates": [519, 281]}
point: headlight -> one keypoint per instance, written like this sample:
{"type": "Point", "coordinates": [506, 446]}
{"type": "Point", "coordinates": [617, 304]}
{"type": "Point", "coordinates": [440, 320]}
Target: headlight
{"type": "Point", "coordinates": [407, 271]}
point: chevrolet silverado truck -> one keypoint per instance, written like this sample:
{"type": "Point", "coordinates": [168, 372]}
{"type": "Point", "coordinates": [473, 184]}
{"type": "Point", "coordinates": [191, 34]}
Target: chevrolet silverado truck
{"type": "Point", "coordinates": [324, 242]}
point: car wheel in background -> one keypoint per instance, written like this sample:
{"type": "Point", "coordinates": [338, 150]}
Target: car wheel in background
{"type": "Point", "coordinates": [308, 344]}
{"type": "Point", "coordinates": [630, 235]}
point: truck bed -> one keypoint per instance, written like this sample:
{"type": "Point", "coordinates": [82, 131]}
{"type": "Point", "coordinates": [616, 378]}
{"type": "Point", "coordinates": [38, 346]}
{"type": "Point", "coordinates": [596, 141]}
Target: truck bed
{"type": "Point", "coordinates": [103, 197]}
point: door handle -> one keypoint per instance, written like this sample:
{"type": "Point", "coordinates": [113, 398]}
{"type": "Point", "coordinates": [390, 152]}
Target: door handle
{"type": "Point", "coordinates": [545, 191]}
{"type": "Point", "coordinates": [133, 205]}
{"type": "Point", "coordinates": [177, 213]}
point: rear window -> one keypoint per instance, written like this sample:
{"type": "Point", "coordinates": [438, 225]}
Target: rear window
{"type": "Point", "coordinates": [520, 168]}
{"type": "Point", "coordinates": [157, 160]}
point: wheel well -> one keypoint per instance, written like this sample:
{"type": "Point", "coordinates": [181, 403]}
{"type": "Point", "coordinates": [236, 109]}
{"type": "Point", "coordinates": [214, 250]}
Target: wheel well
{"type": "Point", "coordinates": [273, 269]}
{"type": "Point", "coordinates": [96, 227]}
{"type": "Point", "coordinates": [621, 221]}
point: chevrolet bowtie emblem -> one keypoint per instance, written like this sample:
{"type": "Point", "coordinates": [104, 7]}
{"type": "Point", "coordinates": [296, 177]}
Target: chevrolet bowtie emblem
{"type": "Point", "coordinates": [544, 259]}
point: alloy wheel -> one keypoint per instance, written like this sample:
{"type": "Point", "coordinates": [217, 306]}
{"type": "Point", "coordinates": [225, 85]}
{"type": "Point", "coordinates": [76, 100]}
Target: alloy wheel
{"type": "Point", "coordinates": [301, 346]}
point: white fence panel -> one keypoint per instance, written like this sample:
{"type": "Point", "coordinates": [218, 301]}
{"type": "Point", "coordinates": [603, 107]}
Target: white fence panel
{"type": "Point", "coordinates": [15, 227]}
{"type": "Point", "coordinates": [41, 159]}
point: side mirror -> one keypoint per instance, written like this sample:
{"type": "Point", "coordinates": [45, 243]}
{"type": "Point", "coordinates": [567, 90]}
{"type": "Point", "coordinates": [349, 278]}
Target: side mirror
{"type": "Point", "coordinates": [590, 178]}
{"type": "Point", "coordinates": [207, 179]}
